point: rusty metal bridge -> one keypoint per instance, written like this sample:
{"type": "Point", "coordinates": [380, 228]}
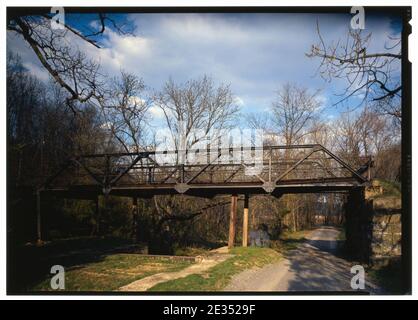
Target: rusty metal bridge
{"type": "Point", "coordinates": [246, 170]}
{"type": "Point", "coordinates": [274, 170]}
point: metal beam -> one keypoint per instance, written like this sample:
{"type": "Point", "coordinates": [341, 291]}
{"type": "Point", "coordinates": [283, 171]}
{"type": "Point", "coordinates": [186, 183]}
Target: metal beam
{"type": "Point", "coordinates": [294, 166]}
{"type": "Point", "coordinates": [120, 175]}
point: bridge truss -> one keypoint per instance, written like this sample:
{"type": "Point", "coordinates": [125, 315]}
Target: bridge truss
{"type": "Point", "coordinates": [207, 172]}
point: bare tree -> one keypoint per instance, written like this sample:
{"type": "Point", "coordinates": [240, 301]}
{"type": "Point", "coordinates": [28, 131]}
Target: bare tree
{"type": "Point", "coordinates": [362, 135]}
{"type": "Point", "coordinates": [124, 108]}
{"type": "Point", "coordinates": [321, 133]}
{"type": "Point", "coordinates": [197, 106]}
{"type": "Point", "coordinates": [294, 112]}
{"type": "Point", "coordinates": [375, 76]}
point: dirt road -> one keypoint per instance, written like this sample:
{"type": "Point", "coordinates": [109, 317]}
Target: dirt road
{"type": "Point", "coordinates": [313, 266]}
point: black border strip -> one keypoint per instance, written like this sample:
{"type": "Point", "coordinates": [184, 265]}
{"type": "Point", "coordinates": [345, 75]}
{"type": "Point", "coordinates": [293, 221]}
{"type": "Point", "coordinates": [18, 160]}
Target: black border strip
{"type": "Point", "coordinates": [406, 164]}
{"type": "Point", "coordinates": [404, 11]}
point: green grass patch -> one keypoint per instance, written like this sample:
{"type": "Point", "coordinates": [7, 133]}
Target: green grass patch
{"type": "Point", "coordinates": [112, 272]}
{"type": "Point", "coordinates": [390, 189]}
{"type": "Point", "coordinates": [219, 276]}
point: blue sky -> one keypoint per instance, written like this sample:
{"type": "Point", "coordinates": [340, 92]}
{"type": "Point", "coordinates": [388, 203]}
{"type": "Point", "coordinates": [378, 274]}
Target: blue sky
{"type": "Point", "coordinates": [254, 53]}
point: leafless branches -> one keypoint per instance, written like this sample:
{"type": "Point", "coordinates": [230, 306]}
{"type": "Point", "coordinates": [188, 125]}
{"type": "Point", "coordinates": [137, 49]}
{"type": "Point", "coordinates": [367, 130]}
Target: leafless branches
{"type": "Point", "coordinates": [364, 135]}
{"type": "Point", "coordinates": [370, 75]}
{"type": "Point", "coordinates": [124, 107]}
{"type": "Point", "coordinates": [294, 110]}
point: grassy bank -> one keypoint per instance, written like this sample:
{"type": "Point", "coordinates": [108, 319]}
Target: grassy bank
{"type": "Point", "coordinates": [219, 276]}
{"type": "Point", "coordinates": [113, 272]}
{"type": "Point", "coordinates": [108, 272]}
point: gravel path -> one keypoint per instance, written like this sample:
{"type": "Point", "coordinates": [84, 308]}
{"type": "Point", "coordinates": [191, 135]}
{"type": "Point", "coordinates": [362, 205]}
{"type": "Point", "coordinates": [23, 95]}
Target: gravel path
{"type": "Point", "coordinates": [313, 266]}
{"type": "Point", "coordinates": [202, 266]}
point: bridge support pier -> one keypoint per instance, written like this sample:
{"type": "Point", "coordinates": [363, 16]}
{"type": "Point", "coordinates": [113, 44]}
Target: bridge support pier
{"type": "Point", "coordinates": [232, 221]}
{"type": "Point", "coordinates": [245, 222]}
{"type": "Point", "coordinates": [358, 226]}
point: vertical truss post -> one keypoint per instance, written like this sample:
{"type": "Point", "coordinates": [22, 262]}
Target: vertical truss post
{"type": "Point", "coordinates": [182, 173]}
{"type": "Point", "coordinates": [149, 175]}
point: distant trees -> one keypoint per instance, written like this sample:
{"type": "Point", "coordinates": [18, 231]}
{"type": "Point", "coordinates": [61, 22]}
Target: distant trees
{"type": "Point", "coordinates": [38, 125]}
{"type": "Point", "coordinates": [368, 134]}
{"type": "Point", "coordinates": [42, 134]}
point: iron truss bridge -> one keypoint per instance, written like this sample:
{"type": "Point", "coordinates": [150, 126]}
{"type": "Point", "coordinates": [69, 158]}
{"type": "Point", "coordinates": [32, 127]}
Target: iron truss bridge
{"type": "Point", "coordinates": [268, 170]}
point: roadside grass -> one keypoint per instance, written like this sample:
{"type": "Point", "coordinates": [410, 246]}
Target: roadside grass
{"type": "Point", "coordinates": [388, 277]}
{"type": "Point", "coordinates": [113, 272]}
{"type": "Point", "coordinates": [219, 276]}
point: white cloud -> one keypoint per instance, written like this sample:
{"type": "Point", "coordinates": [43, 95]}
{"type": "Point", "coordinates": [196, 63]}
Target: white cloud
{"type": "Point", "coordinates": [156, 112]}
{"type": "Point", "coordinates": [37, 70]}
{"type": "Point", "coordinates": [239, 101]}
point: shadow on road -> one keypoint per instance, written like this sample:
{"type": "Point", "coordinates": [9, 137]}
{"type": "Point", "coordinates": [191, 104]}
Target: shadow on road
{"type": "Point", "coordinates": [316, 265]}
